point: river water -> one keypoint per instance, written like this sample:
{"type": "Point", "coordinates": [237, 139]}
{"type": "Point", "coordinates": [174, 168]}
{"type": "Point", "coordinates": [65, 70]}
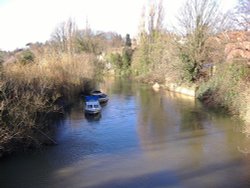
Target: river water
{"type": "Point", "coordinates": [142, 139]}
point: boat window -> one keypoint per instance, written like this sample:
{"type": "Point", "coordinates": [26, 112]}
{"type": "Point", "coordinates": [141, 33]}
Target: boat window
{"type": "Point", "coordinates": [96, 106]}
{"type": "Point", "coordinates": [96, 92]}
{"type": "Point", "coordinates": [89, 106]}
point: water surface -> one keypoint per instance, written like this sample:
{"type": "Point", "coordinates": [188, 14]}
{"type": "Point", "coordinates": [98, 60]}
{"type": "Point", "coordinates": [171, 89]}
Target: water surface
{"type": "Point", "coordinates": [142, 139]}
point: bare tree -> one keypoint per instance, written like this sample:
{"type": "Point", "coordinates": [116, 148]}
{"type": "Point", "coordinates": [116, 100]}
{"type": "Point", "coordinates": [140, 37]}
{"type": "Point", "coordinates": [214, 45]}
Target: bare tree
{"type": "Point", "coordinates": [199, 19]}
{"type": "Point", "coordinates": [152, 19]}
{"type": "Point", "coordinates": [198, 14]}
{"type": "Point", "coordinates": [149, 56]}
{"type": "Point", "coordinates": [242, 16]}
{"type": "Point", "coordinates": [64, 36]}
{"type": "Point", "coordinates": [160, 16]}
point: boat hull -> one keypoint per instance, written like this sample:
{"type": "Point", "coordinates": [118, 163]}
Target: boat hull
{"type": "Point", "coordinates": [92, 111]}
{"type": "Point", "coordinates": [103, 100]}
{"type": "Point", "coordinates": [102, 97]}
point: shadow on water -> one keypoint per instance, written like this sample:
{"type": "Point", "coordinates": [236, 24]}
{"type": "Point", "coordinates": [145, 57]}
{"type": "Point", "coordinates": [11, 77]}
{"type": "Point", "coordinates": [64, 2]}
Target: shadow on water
{"type": "Point", "coordinates": [93, 117]}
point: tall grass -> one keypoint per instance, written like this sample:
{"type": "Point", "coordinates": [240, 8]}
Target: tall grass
{"type": "Point", "coordinates": [33, 93]}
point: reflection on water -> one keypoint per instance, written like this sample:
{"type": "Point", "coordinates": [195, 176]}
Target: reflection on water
{"type": "Point", "coordinates": [93, 117]}
{"type": "Point", "coordinates": [141, 139]}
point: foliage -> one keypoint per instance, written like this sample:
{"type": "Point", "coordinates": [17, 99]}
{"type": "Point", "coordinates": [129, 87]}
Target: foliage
{"type": "Point", "coordinates": [128, 42]}
{"type": "Point", "coordinates": [157, 60]}
{"type": "Point", "coordinates": [141, 59]}
{"type": "Point", "coordinates": [226, 87]}
{"type": "Point", "coordinates": [127, 54]}
{"type": "Point", "coordinates": [26, 57]}
{"type": "Point", "coordinates": [1, 56]}
{"type": "Point", "coordinates": [151, 57]}
{"type": "Point", "coordinates": [88, 42]}
{"type": "Point", "coordinates": [116, 60]}
{"type": "Point", "coordinates": [121, 62]}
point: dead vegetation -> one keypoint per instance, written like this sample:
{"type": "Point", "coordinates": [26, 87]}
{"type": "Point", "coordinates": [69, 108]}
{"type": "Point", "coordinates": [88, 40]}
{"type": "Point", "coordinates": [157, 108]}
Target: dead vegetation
{"type": "Point", "coordinates": [34, 93]}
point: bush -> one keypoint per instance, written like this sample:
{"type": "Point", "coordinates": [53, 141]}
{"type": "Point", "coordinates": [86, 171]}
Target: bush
{"type": "Point", "coordinates": [26, 57]}
{"type": "Point", "coordinates": [1, 57]}
{"type": "Point", "coordinates": [226, 87]}
{"type": "Point", "coordinates": [121, 62]}
{"type": "Point", "coordinates": [25, 107]}
{"type": "Point", "coordinates": [116, 60]}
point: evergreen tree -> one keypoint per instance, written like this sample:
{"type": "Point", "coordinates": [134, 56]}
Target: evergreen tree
{"type": "Point", "coordinates": [128, 42]}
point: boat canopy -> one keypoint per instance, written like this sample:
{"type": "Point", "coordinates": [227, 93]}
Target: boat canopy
{"type": "Point", "coordinates": [91, 98]}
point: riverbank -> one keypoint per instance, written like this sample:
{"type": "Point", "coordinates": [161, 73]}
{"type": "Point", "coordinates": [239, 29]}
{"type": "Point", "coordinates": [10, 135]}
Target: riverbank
{"type": "Point", "coordinates": [227, 88]}
{"type": "Point", "coordinates": [233, 98]}
{"type": "Point", "coordinates": [218, 76]}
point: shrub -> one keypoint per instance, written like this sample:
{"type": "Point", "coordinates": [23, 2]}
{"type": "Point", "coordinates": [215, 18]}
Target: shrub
{"type": "Point", "coordinates": [121, 62]}
{"type": "Point", "coordinates": [25, 107]}
{"type": "Point", "coordinates": [116, 60]}
{"type": "Point", "coordinates": [26, 57]}
{"type": "Point", "coordinates": [1, 57]}
{"type": "Point", "coordinates": [226, 87]}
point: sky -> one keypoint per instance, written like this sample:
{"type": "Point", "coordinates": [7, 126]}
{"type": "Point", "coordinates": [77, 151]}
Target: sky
{"type": "Point", "coordinates": [24, 21]}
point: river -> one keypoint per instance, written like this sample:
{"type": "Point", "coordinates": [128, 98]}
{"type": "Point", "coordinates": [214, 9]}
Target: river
{"type": "Point", "coordinates": [142, 139]}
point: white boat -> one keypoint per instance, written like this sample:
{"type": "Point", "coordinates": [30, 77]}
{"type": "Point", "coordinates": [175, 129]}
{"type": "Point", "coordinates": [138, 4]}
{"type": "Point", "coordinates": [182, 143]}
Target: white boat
{"type": "Point", "coordinates": [102, 97]}
{"type": "Point", "coordinates": [92, 105]}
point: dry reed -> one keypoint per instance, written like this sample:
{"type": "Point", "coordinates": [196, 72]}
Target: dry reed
{"type": "Point", "coordinates": [29, 93]}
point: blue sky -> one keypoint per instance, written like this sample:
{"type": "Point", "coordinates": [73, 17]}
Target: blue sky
{"type": "Point", "coordinates": [24, 21]}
